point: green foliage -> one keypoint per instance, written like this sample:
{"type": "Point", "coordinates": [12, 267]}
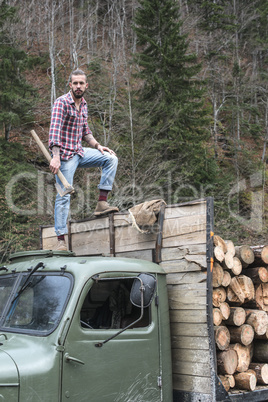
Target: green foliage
{"type": "Point", "coordinates": [16, 95]}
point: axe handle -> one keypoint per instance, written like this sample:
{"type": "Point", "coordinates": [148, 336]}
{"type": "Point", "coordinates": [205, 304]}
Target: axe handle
{"type": "Point", "coordinates": [48, 157]}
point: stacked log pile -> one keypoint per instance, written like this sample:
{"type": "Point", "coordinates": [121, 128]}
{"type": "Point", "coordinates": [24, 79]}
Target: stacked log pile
{"type": "Point", "coordinates": [240, 314]}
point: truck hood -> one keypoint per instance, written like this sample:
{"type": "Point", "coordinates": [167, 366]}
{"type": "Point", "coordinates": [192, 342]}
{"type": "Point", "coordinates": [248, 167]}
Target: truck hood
{"type": "Point", "coordinates": [8, 371]}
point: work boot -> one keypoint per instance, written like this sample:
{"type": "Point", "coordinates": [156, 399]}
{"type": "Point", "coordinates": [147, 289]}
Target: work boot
{"type": "Point", "coordinates": [61, 246]}
{"type": "Point", "coordinates": [103, 208]}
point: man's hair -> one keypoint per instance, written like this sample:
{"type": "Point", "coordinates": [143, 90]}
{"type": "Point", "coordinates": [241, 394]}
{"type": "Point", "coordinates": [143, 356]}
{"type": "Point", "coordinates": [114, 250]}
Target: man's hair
{"type": "Point", "coordinates": [77, 72]}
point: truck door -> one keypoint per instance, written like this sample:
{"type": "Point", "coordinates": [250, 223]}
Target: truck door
{"type": "Point", "coordinates": [124, 368]}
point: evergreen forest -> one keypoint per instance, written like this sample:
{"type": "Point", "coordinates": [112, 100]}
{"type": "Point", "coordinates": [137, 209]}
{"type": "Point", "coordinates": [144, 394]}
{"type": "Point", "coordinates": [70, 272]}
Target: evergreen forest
{"type": "Point", "coordinates": [177, 88]}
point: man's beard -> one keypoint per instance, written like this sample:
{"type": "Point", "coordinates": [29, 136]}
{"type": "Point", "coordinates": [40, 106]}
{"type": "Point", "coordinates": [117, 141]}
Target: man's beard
{"type": "Point", "coordinates": [78, 95]}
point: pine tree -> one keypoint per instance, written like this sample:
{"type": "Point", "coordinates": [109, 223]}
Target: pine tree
{"type": "Point", "coordinates": [171, 98]}
{"type": "Point", "coordinates": [15, 93]}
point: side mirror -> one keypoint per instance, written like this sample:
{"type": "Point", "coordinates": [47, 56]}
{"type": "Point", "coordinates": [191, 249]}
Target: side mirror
{"type": "Point", "coordinates": [142, 291]}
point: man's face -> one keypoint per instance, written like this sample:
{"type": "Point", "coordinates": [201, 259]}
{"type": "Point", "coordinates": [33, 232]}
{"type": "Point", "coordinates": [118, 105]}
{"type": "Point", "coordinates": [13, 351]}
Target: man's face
{"type": "Point", "coordinates": [78, 86]}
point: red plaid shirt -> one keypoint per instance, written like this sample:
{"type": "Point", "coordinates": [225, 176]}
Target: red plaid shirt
{"type": "Point", "coordinates": [68, 126]}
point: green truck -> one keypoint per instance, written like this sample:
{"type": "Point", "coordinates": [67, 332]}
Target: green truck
{"type": "Point", "coordinates": [126, 316]}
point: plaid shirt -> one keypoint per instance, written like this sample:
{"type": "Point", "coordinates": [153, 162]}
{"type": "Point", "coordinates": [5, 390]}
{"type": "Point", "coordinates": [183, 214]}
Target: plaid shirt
{"type": "Point", "coordinates": [68, 126]}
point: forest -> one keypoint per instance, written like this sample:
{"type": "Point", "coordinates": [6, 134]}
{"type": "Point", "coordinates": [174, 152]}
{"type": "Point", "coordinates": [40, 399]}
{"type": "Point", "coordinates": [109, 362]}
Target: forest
{"type": "Point", "coordinates": [177, 88]}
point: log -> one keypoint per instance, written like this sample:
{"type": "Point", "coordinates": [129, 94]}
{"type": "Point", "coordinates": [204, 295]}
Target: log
{"type": "Point", "coordinates": [225, 310]}
{"type": "Point", "coordinates": [261, 370]}
{"type": "Point", "coordinates": [244, 354]}
{"type": "Point", "coordinates": [264, 336]}
{"type": "Point", "coordinates": [237, 266]}
{"type": "Point", "coordinates": [226, 279]}
{"type": "Point", "coordinates": [222, 337]}
{"type": "Point", "coordinates": [245, 255]}
{"type": "Point", "coordinates": [218, 296]}
{"type": "Point", "coordinates": [230, 247]}
{"type": "Point", "coordinates": [217, 316]}
{"type": "Point", "coordinates": [246, 380]}
{"type": "Point", "coordinates": [232, 298]}
{"type": "Point", "coordinates": [261, 298]}
{"type": "Point", "coordinates": [227, 362]}
{"type": "Point", "coordinates": [219, 253]}
{"type": "Point", "coordinates": [225, 382]}
{"type": "Point", "coordinates": [260, 254]}
{"type": "Point", "coordinates": [237, 316]}
{"type": "Point", "coordinates": [260, 353]}
{"type": "Point", "coordinates": [258, 319]}
{"type": "Point", "coordinates": [243, 334]}
{"type": "Point", "coordinates": [231, 380]}
{"type": "Point", "coordinates": [218, 241]}
{"type": "Point", "coordinates": [258, 275]}
{"type": "Point", "coordinates": [243, 288]}
{"type": "Point", "coordinates": [228, 261]}
{"type": "Point", "coordinates": [217, 275]}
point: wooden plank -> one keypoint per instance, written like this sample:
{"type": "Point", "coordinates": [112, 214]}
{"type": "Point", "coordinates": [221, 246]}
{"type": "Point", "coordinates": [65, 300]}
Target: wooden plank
{"type": "Point", "coordinates": [128, 238]}
{"type": "Point", "coordinates": [180, 278]}
{"type": "Point", "coordinates": [185, 210]}
{"type": "Point", "coordinates": [91, 243]}
{"type": "Point", "coordinates": [48, 232]}
{"type": "Point", "coordinates": [190, 383]}
{"type": "Point", "coordinates": [189, 355]}
{"type": "Point", "coordinates": [186, 298]}
{"type": "Point", "coordinates": [188, 329]}
{"type": "Point", "coordinates": [182, 226]}
{"type": "Point", "coordinates": [189, 342]}
{"type": "Point", "coordinates": [185, 239]}
{"type": "Point", "coordinates": [198, 259]}
{"type": "Point", "coordinates": [188, 304]}
{"type": "Point", "coordinates": [191, 368]}
{"type": "Point", "coordinates": [49, 243]}
{"type": "Point", "coordinates": [179, 266]}
{"type": "Point", "coordinates": [176, 253]}
{"type": "Point", "coordinates": [140, 254]}
{"type": "Point", "coordinates": [90, 225]}
{"type": "Point", "coordinates": [122, 220]}
{"type": "Point", "coordinates": [194, 316]}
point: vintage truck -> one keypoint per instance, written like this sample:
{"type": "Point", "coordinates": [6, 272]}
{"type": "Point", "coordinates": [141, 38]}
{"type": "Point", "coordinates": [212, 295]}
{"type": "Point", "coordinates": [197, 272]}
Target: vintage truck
{"type": "Point", "coordinates": [125, 316]}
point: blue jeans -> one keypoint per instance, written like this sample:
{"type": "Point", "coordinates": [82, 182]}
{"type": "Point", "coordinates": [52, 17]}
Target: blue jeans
{"type": "Point", "coordinates": [92, 158]}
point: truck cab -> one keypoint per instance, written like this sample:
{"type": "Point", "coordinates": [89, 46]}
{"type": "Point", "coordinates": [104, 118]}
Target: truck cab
{"type": "Point", "coordinates": [83, 329]}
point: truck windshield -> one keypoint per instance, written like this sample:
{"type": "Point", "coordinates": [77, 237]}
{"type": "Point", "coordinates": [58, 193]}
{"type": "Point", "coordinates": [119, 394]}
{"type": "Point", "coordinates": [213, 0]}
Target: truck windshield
{"type": "Point", "coordinates": [6, 285]}
{"type": "Point", "coordinates": [39, 307]}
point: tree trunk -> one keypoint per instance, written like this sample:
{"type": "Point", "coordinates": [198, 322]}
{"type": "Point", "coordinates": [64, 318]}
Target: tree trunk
{"type": "Point", "coordinates": [243, 334]}
{"type": "Point", "coordinates": [228, 262]}
{"type": "Point", "coordinates": [262, 296]}
{"type": "Point", "coordinates": [243, 288]}
{"type": "Point", "coordinates": [245, 255]}
{"type": "Point", "coordinates": [237, 316]}
{"type": "Point", "coordinates": [260, 254]}
{"type": "Point", "coordinates": [258, 275]}
{"type": "Point", "coordinates": [217, 316]}
{"type": "Point", "coordinates": [261, 370]}
{"type": "Point", "coordinates": [218, 296]}
{"type": "Point", "coordinates": [218, 241]}
{"type": "Point", "coordinates": [258, 319]}
{"type": "Point", "coordinates": [231, 380]}
{"type": "Point", "coordinates": [217, 275]}
{"type": "Point", "coordinates": [246, 380]}
{"type": "Point", "coordinates": [230, 247]}
{"type": "Point", "coordinates": [243, 354]}
{"type": "Point", "coordinates": [225, 382]}
{"type": "Point", "coordinates": [222, 337]}
{"type": "Point", "coordinates": [225, 310]}
{"type": "Point", "coordinates": [227, 361]}
{"type": "Point", "coordinates": [226, 279]}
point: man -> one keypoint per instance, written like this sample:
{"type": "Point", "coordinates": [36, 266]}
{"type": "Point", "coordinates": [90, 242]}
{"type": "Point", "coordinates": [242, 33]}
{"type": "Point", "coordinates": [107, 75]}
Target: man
{"type": "Point", "coordinates": [67, 130]}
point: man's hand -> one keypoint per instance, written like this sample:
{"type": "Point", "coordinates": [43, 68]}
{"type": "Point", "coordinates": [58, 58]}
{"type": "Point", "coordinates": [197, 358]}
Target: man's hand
{"type": "Point", "coordinates": [55, 161]}
{"type": "Point", "coordinates": [105, 149]}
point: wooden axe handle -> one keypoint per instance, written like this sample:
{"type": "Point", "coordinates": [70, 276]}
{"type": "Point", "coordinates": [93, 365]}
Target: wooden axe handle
{"type": "Point", "coordinates": [48, 157]}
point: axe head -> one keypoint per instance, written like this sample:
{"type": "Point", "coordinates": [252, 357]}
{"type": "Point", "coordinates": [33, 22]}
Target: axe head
{"type": "Point", "coordinates": [62, 192]}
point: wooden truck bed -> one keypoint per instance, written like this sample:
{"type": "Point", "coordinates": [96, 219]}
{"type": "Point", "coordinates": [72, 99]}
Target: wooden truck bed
{"type": "Point", "coordinates": [182, 243]}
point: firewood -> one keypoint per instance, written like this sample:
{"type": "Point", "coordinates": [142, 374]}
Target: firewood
{"type": "Point", "coordinates": [245, 255]}
{"type": "Point", "coordinates": [232, 298]}
{"type": "Point", "coordinates": [222, 337]}
{"type": "Point", "coordinates": [258, 319]}
{"type": "Point", "coordinates": [225, 310]}
{"type": "Point", "coordinates": [243, 288]}
{"type": "Point", "coordinates": [258, 275]}
{"type": "Point", "coordinates": [226, 279]}
{"type": "Point", "coordinates": [264, 336]}
{"type": "Point", "coordinates": [217, 316]}
{"type": "Point", "coordinates": [227, 361]}
{"type": "Point", "coordinates": [218, 296]}
{"type": "Point", "coordinates": [237, 266]}
{"type": "Point", "coordinates": [217, 275]}
{"type": "Point", "coordinates": [260, 353]}
{"type": "Point", "coordinates": [261, 370]}
{"type": "Point", "coordinates": [260, 254]}
{"type": "Point", "coordinates": [231, 380]}
{"type": "Point", "coordinates": [243, 334]}
{"type": "Point", "coordinates": [228, 261]}
{"type": "Point", "coordinates": [218, 241]}
{"type": "Point", "coordinates": [230, 247]}
{"type": "Point", "coordinates": [246, 380]}
{"type": "Point", "coordinates": [244, 355]}
{"type": "Point", "coordinates": [225, 382]}
{"type": "Point", "coordinates": [237, 316]}
{"type": "Point", "coordinates": [261, 298]}
{"type": "Point", "coordinates": [218, 253]}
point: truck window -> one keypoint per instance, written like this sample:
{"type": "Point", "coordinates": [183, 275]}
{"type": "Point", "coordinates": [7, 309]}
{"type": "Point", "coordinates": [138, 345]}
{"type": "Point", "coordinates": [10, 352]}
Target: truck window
{"type": "Point", "coordinates": [6, 285]}
{"type": "Point", "coordinates": [40, 306]}
{"type": "Point", "coordinates": [108, 306]}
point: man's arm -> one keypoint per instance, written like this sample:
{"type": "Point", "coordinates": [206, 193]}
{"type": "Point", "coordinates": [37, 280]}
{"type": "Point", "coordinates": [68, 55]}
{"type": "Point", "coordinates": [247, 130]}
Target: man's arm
{"type": "Point", "coordinates": [55, 161]}
{"type": "Point", "coordinates": [94, 144]}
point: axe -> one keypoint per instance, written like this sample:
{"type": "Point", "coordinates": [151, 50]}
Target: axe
{"type": "Point", "coordinates": [68, 188]}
